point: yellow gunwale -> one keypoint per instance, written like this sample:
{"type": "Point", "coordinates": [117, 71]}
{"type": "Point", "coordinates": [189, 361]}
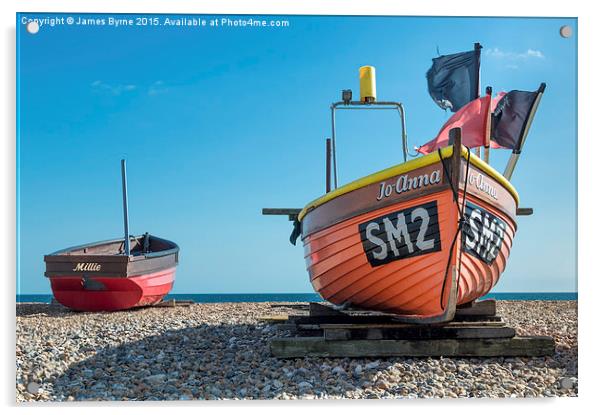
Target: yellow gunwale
{"type": "Point", "coordinates": [414, 164]}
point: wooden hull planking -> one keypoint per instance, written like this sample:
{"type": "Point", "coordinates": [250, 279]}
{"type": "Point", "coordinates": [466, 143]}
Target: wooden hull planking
{"type": "Point", "coordinates": [358, 252]}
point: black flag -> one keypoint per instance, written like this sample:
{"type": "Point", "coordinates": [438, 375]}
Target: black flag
{"type": "Point", "coordinates": [510, 117]}
{"type": "Point", "coordinates": [453, 80]}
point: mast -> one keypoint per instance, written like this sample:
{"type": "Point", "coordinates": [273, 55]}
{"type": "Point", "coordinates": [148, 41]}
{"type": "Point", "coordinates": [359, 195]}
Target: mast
{"type": "Point", "coordinates": [477, 49]}
{"type": "Point", "coordinates": [126, 226]}
{"type": "Point", "coordinates": [488, 91]}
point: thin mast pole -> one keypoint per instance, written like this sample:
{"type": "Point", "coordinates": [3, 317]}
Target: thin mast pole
{"type": "Point", "coordinates": [477, 48]}
{"type": "Point", "coordinates": [126, 228]}
{"type": "Point", "coordinates": [328, 167]}
{"type": "Point", "coordinates": [334, 153]}
{"type": "Point", "coordinates": [488, 91]}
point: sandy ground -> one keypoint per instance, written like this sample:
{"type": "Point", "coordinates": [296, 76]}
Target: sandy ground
{"type": "Point", "coordinates": [221, 351]}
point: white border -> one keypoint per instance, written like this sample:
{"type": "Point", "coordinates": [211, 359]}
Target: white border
{"type": "Point", "coordinates": [589, 183]}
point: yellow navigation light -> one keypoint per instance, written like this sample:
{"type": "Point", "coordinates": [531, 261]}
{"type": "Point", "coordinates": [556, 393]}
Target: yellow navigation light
{"type": "Point", "coordinates": [368, 84]}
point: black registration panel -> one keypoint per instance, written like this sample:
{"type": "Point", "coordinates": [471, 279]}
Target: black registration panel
{"type": "Point", "coordinates": [483, 233]}
{"type": "Point", "coordinates": [403, 234]}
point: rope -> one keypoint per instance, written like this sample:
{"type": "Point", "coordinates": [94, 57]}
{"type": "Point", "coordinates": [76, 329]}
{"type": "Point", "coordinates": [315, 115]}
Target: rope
{"type": "Point", "coordinates": [461, 220]}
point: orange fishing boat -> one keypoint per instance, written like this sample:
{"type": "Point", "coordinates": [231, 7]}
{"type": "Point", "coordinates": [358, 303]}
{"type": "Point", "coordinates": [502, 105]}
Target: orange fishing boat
{"type": "Point", "coordinates": [417, 239]}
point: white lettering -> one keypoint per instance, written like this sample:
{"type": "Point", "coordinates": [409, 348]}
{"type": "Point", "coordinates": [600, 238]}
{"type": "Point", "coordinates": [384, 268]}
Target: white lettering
{"type": "Point", "coordinates": [87, 266]}
{"type": "Point", "coordinates": [395, 233]}
{"type": "Point", "coordinates": [377, 241]}
{"type": "Point", "coordinates": [405, 183]}
{"type": "Point", "coordinates": [423, 214]}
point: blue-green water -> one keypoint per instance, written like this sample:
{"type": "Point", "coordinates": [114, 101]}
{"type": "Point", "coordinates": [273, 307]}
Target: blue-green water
{"type": "Point", "coordinates": [258, 298]}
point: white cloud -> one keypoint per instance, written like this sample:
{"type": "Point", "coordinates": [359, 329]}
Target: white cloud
{"type": "Point", "coordinates": [534, 53]}
{"type": "Point", "coordinates": [113, 89]}
{"type": "Point", "coordinates": [157, 87]}
{"type": "Point", "coordinates": [514, 56]}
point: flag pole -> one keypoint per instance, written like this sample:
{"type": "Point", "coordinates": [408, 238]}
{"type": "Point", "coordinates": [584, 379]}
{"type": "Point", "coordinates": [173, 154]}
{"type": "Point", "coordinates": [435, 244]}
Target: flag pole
{"type": "Point", "coordinates": [477, 49]}
{"type": "Point", "coordinates": [523, 137]}
{"type": "Point", "coordinates": [488, 91]}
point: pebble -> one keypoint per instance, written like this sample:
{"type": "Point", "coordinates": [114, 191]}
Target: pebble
{"type": "Point", "coordinates": [372, 365]}
{"type": "Point", "coordinates": [155, 378]}
{"type": "Point", "coordinates": [566, 383]}
{"type": "Point", "coordinates": [221, 351]}
{"type": "Point", "coordinates": [33, 388]}
{"type": "Point", "coordinates": [304, 385]}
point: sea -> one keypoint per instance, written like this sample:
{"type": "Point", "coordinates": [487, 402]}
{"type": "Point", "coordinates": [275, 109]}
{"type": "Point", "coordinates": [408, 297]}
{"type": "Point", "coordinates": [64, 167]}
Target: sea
{"type": "Point", "coordinates": [303, 297]}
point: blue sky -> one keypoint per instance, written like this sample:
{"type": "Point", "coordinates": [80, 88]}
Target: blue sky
{"type": "Point", "coordinates": [217, 123]}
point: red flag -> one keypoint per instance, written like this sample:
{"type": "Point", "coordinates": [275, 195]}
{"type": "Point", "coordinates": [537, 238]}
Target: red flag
{"type": "Point", "coordinates": [472, 118]}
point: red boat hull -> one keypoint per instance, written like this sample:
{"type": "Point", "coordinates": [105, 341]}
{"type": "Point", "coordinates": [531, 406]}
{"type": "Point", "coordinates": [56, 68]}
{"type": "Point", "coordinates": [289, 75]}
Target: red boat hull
{"type": "Point", "coordinates": [112, 293]}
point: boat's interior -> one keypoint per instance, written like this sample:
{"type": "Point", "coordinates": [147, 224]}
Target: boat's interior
{"type": "Point", "coordinates": [139, 245]}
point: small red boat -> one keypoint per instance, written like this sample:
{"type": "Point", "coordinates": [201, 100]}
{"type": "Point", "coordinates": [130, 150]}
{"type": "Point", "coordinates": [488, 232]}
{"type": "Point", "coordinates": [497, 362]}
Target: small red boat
{"type": "Point", "coordinates": [133, 271]}
{"type": "Point", "coordinates": [100, 277]}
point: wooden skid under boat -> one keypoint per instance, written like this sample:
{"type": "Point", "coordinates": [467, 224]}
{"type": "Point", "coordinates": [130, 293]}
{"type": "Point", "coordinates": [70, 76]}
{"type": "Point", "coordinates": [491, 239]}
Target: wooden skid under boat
{"type": "Point", "coordinates": [392, 241]}
{"type": "Point", "coordinates": [100, 277]}
{"type": "Point", "coordinates": [476, 331]}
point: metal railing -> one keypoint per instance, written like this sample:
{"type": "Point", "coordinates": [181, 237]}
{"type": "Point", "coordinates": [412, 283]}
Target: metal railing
{"type": "Point", "coordinates": [359, 105]}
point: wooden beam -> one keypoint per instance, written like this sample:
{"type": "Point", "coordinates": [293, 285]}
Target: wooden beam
{"type": "Point", "coordinates": [478, 308]}
{"type": "Point", "coordinates": [292, 213]}
{"type": "Point", "coordinates": [476, 331]}
{"type": "Point", "coordinates": [274, 318]}
{"type": "Point", "coordinates": [322, 310]}
{"type": "Point", "coordinates": [524, 211]}
{"type": "Point", "coordinates": [454, 324]}
{"type": "Point", "coordinates": [293, 306]}
{"type": "Point", "coordinates": [280, 211]}
{"type": "Point", "coordinates": [174, 303]}
{"type": "Point", "coordinates": [532, 346]}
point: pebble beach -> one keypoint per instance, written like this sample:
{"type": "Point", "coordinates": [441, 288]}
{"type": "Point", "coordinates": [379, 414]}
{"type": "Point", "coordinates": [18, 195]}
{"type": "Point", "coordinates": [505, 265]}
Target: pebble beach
{"type": "Point", "coordinates": [221, 351]}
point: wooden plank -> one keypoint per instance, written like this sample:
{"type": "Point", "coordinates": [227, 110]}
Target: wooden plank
{"type": "Point", "coordinates": [174, 303]}
{"type": "Point", "coordinates": [533, 346]}
{"type": "Point", "coordinates": [294, 306]}
{"type": "Point", "coordinates": [476, 318]}
{"type": "Point", "coordinates": [524, 211]}
{"type": "Point", "coordinates": [274, 318]}
{"type": "Point", "coordinates": [292, 213]}
{"type": "Point", "coordinates": [419, 333]}
{"type": "Point", "coordinates": [321, 310]}
{"type": "Point", "coordinates": [372, 318]}
{"type": "Point", "coordinates": [343, 318]}
{"type": "Point", "coordinates": [280, 211]}
{"type": "Point", "coordinates": [367, 319]}
{"type": "Point", "coordinates": [478, 308]}
{"type": "Point", "coordinates": [300, 331]}
{"type": "Point", "coordinates": [451, 324]}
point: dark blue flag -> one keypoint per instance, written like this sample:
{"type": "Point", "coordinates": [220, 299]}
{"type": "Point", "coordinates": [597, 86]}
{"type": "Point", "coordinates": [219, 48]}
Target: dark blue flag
{"type": "Point", "coordinates": [453, 80]}
{"type": "Point", "coordinates": [510, 117]}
